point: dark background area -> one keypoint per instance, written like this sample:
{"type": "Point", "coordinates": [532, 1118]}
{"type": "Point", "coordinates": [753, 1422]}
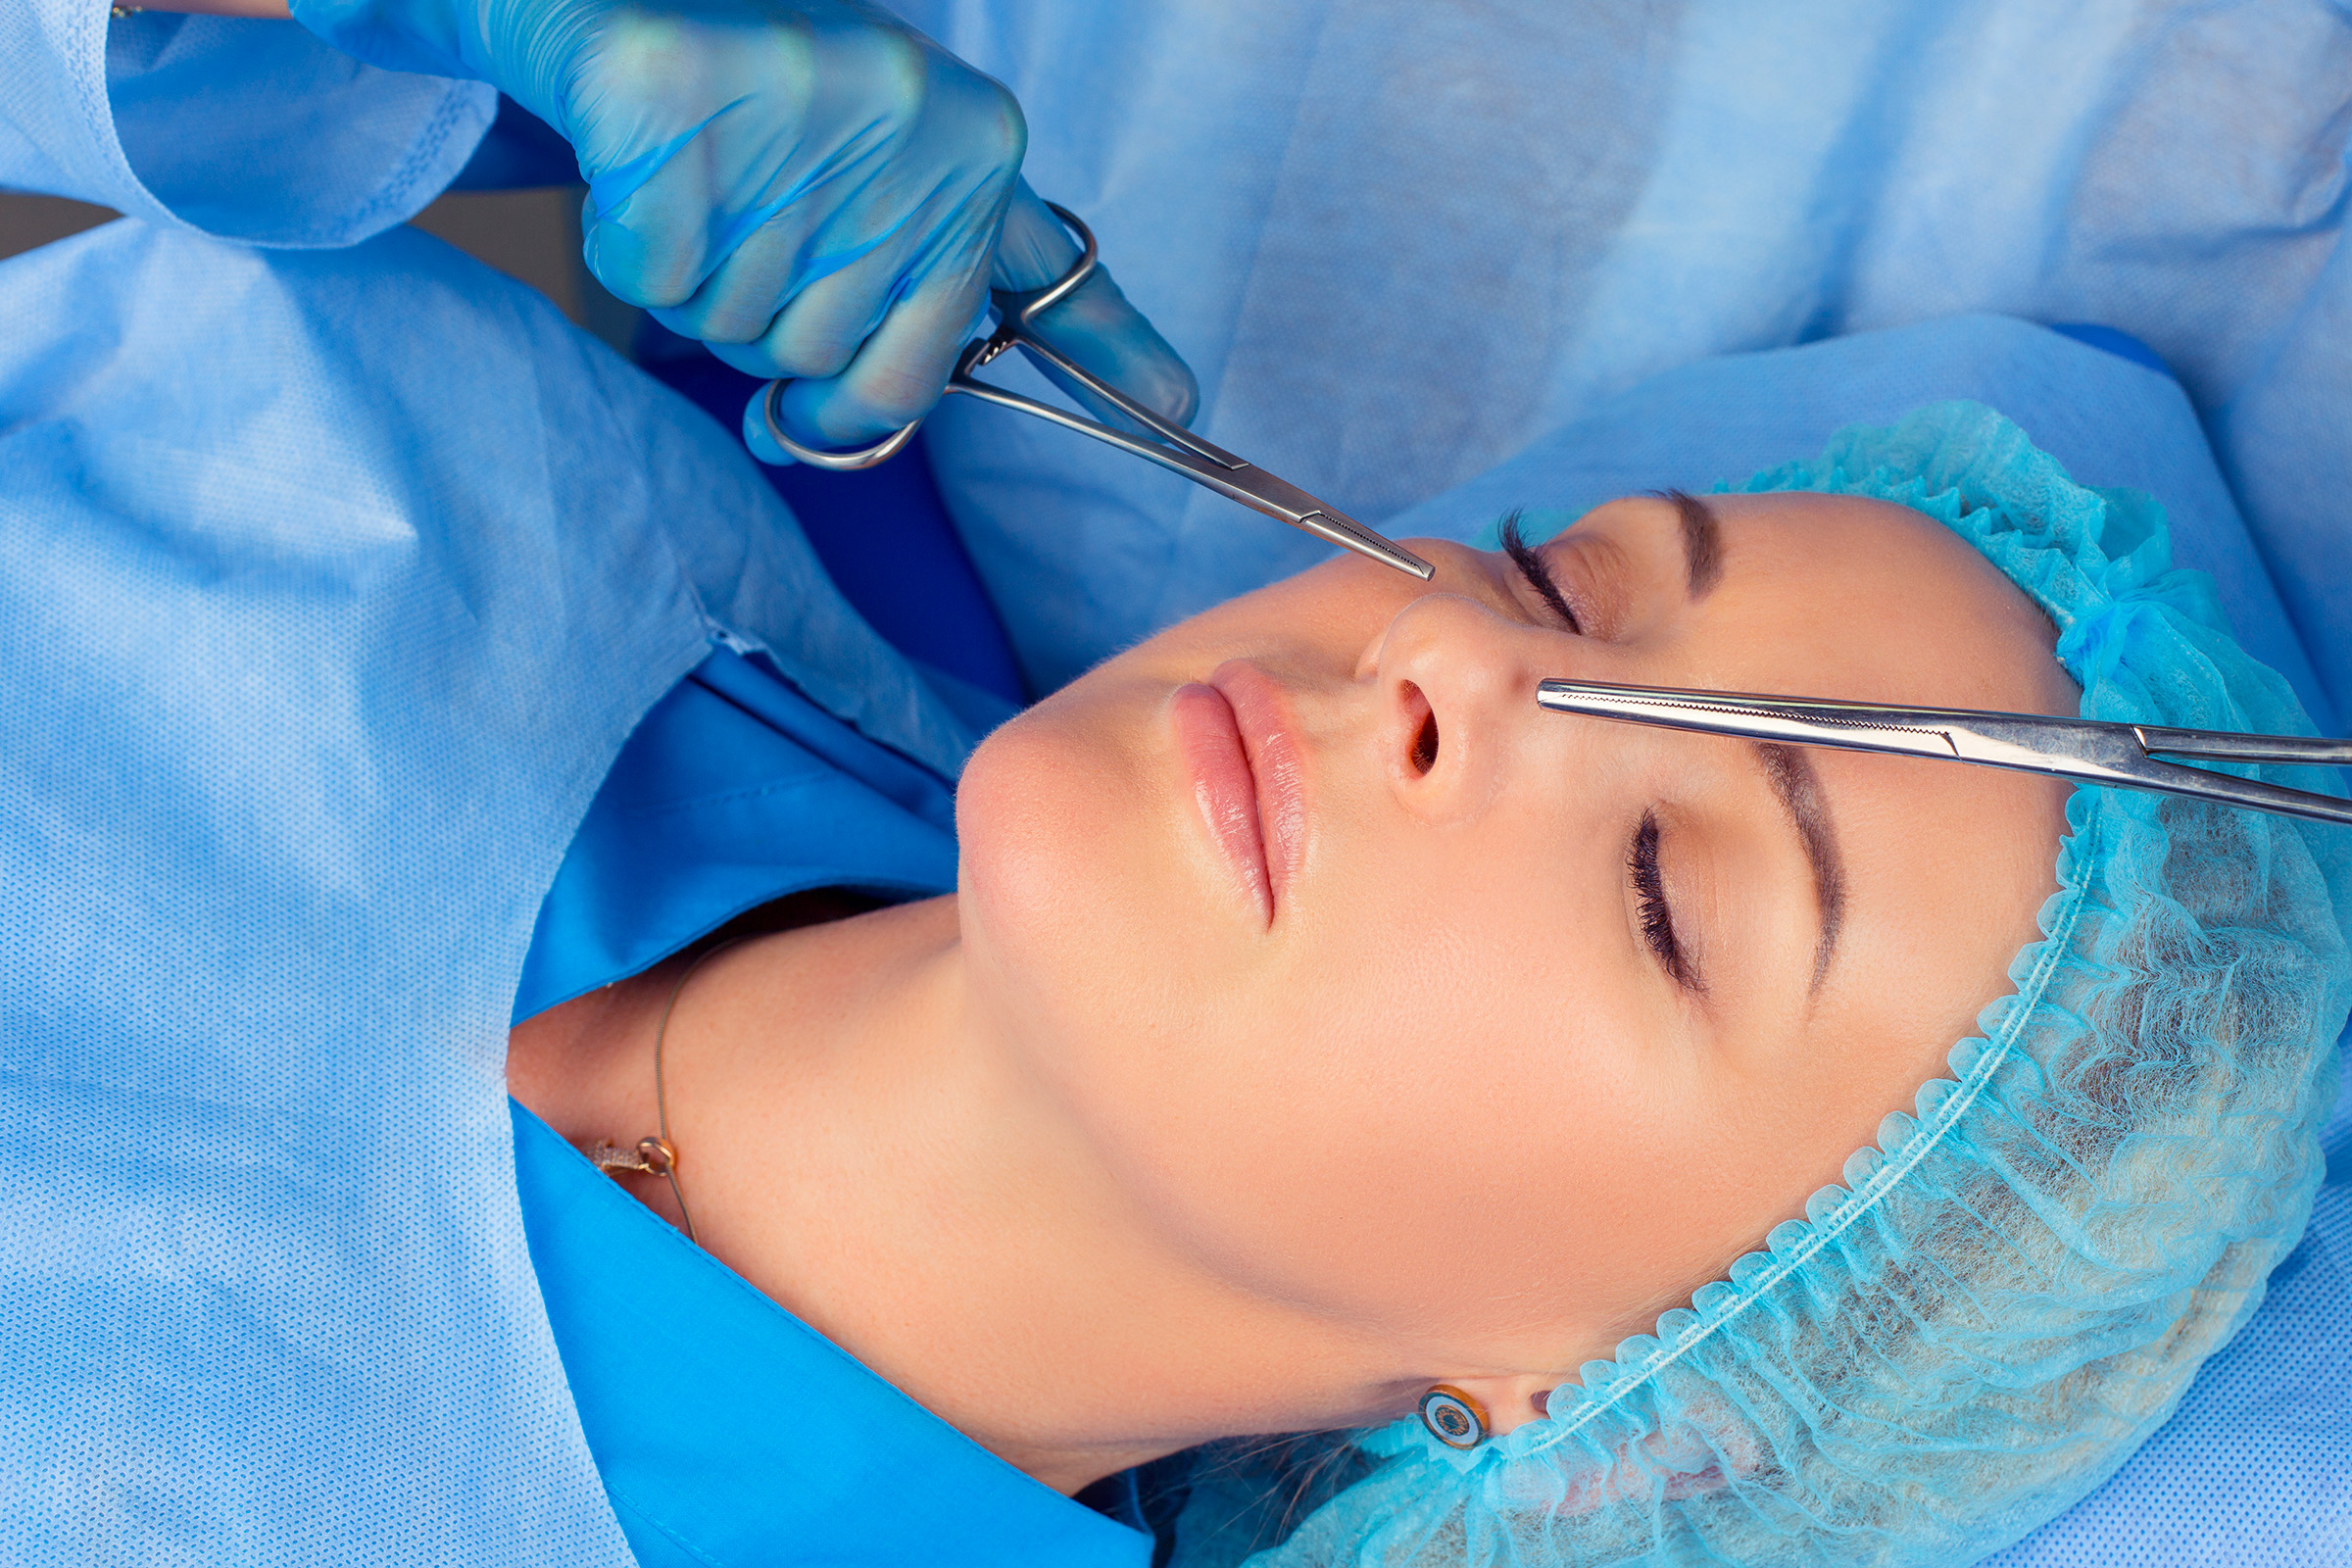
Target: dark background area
{"type": "Point", "coordinates": [531, 234]}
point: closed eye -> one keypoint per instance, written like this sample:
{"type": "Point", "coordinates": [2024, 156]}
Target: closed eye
{"type": "Point", "coordinates": [1656, 916]}
{"type": "Point", "coordinates": [1538, 572]}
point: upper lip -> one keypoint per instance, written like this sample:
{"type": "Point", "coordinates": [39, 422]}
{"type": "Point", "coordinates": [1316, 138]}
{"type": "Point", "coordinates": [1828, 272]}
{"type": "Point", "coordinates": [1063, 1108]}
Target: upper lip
{"type": "Point", "coordinates": [1261, 710]}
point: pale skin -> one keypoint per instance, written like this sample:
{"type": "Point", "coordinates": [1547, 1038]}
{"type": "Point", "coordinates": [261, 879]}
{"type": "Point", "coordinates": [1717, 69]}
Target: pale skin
{"type": "Point", "coordinates": [1116, 1149]}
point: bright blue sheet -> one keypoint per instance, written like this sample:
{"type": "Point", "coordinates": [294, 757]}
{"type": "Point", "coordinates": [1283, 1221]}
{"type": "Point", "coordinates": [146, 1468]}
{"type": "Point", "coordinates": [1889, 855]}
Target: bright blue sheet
{"type": "Point", "coordinates": [730, 1435]}
{"type": "Point", "coordinates": [733, 791]}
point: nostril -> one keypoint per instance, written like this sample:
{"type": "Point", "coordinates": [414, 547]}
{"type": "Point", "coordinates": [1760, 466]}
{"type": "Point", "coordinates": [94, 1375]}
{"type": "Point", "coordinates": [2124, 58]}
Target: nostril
{"type": "Point", "coordinates": [1425, 743]}
{"type": "Point", "coordinates": [1421, 753]}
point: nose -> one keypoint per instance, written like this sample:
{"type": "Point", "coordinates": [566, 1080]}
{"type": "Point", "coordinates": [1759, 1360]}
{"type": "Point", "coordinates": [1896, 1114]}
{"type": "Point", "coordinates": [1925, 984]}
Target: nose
{"type": "Point", "coordinates": [1456, 691]}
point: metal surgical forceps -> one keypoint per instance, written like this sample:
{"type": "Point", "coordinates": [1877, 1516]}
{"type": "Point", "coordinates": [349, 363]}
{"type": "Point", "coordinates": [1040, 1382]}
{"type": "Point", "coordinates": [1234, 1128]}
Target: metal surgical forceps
{"type": "Point", "coordinates": [2083, 750]}
{"type": "Point", "coordinates": [1176, 447]}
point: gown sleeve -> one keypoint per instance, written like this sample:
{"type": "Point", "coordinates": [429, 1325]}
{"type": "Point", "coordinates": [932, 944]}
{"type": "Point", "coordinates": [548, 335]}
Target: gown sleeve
{"type": "Point", "coordinates": [252, 131]}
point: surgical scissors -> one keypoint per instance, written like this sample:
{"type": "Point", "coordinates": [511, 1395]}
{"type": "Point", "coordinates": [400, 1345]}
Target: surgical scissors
{"type": "Point", "coordinates": [2086, 751]}
{"type": "Point", "coordinates": [1176, 447]}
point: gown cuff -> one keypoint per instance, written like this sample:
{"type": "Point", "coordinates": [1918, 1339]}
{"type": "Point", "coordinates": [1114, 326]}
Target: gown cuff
{"type": "Point", "coordinates": [253, 131]}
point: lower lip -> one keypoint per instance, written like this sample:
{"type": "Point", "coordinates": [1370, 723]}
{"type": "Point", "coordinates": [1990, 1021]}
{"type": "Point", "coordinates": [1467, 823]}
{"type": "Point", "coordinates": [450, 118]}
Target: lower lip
{"type": "Point", "coordinates": [1209, 739]}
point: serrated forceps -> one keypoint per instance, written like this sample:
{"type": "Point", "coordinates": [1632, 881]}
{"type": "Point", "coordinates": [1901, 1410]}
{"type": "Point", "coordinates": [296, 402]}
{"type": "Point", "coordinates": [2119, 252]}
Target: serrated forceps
{"type": "Point", "coordinates": [1175, 447]}
{"type": "Point", "coordinates": [2080, 750]}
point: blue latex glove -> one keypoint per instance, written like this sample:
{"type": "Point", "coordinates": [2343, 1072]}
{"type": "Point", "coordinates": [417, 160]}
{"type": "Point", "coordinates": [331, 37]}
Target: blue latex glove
{"type": "Point", "coordinates": [810, 186]}
{"type": "Point", "coordinates": [1095, 326]}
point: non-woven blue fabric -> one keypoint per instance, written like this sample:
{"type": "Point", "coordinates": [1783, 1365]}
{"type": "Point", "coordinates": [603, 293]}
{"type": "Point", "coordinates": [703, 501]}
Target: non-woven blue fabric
{"type": "Point", "coordinates": [885, 538]}
{"type": "Point", "coordinates": [245, 129]}
{"type": "Point", "coordinates": [318, 644]}
{"type": "Point", "coordinates": [734, 791]}
{"type": "Point", "coordinates": [1399, 243]}
{"type": "Point", "coordinates": [731, 1435]}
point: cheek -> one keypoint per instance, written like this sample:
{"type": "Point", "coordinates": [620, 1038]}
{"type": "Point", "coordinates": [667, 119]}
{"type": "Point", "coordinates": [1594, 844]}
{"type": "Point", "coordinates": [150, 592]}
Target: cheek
{"type": "Point", "coordinates": [1434, 1106]}
{"type": "Point", "coordinates": [1055, 882]}
{"type": "Point", "coordinates": [1027, 824]}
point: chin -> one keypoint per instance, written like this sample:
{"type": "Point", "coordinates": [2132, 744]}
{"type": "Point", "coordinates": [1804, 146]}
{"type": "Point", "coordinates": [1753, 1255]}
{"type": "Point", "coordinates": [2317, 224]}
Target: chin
{"type": "Point", "coordinates": [1048, 816]}
{"type": "Point", "coordinates": [1086, 930]}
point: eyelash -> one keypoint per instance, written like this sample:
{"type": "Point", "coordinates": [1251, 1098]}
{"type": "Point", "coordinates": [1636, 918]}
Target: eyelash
{"type": "Point", "coordinates": [1657, 919]}
{"type": "Point", "coordinates": [1641, 860]}
{"type": "Point", "coordinates": [1538, 572]}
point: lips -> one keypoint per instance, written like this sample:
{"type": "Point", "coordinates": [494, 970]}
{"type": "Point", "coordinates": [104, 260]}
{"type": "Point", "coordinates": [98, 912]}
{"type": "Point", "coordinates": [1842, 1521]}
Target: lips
{"type": "Point", "coordinates": [1224, 789]}
{"type": "Point", "coordinates": [1241, 754]}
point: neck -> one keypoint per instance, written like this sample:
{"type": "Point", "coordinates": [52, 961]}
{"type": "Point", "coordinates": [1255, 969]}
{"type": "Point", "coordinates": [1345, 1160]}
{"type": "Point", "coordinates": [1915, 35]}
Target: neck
{"type": "Point", "coordinates": [859, 1144]}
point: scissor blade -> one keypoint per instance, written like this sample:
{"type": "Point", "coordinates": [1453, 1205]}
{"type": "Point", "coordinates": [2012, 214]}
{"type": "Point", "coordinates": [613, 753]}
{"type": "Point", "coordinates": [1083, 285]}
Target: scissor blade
{"type": "Point", "coordinates": [2075, 749]}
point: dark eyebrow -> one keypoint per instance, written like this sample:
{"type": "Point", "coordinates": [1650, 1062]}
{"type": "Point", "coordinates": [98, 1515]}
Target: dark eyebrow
{"type": "Point", "coordinates": [1702, 541]}
{"type": "Point", "coordinates": [1800, 790]}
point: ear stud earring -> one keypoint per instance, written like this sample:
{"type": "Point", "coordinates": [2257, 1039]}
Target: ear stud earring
{"type": "Point", "coordinates": [1454, 1417]}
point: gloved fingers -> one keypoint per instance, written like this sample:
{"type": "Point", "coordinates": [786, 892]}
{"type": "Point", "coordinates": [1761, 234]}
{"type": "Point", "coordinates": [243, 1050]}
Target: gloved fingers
{"type": "Point", "coordinates": [894, 377]}
{"type": "Point", "coordinates": [739, 302]}
{"type": "Point", "coordinates": [825, 327]}
{"type": "Point", "coordinates": [1096, 326]}
{"type": "Point", "coordinates": [810, 133]}
{"type": "Point", "coordinates": [729, 249]}
{"type": "Point", "coordinates": [1033, 247]}
{"type": "Point", "coordinates": [650, 243]}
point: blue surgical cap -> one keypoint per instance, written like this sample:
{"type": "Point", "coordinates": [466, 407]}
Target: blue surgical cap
{"type": "Point", "coordinates": [2012, 1288]}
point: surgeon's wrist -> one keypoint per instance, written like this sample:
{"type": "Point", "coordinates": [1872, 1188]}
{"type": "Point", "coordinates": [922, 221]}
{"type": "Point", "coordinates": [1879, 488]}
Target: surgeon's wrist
{"type": "Point", "coordinates": [521, 47]}
{"type": "Point", "coordinates": [428, 37]}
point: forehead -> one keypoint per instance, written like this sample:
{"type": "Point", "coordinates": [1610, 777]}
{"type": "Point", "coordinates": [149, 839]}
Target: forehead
{"type": "Point", "coordinates": [1814, 585]}
{"type": "Point", "coordinates": [1857, 538]}
{"type": "Point", "coordinates": [1794, 530]}
{"type": "Point", "coordinates": [1843, 596]}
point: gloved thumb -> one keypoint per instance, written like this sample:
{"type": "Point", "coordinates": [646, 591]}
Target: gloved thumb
{"type": "Point", "coordinates": [1095, 326]}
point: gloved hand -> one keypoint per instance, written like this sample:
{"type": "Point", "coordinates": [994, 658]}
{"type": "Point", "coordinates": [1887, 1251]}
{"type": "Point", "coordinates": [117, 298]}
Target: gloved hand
{"type": "Point", "coordinates": [1095, 326]}
{"type": "Point", "coordinates": [810, 186]}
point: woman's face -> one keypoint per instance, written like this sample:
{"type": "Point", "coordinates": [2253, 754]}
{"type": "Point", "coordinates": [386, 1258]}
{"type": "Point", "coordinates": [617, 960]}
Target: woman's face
{"type": "Point", "coordinates": [1494, 1032]}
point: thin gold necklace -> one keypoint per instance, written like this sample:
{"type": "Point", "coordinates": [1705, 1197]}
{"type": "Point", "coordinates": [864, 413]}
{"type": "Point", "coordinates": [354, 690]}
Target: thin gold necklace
{"type": "Point", "coordinates": [658, 1155]}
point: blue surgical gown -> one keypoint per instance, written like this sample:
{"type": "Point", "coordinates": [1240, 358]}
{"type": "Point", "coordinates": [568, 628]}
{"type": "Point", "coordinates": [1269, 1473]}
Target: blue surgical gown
{"type": "Point", "coordinates": [337, 582]}
{"type": "Point", "coordinates": [336, 578]}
